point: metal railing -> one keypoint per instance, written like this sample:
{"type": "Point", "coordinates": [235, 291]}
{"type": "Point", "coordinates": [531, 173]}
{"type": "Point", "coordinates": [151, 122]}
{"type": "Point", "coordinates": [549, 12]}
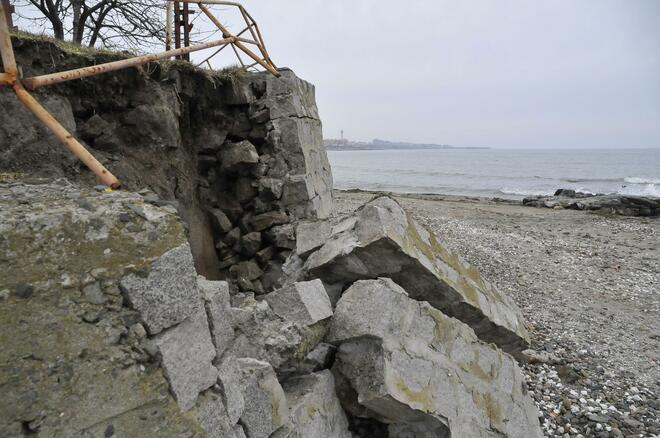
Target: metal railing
{"type": "Point", "coordinates": [11, 77]}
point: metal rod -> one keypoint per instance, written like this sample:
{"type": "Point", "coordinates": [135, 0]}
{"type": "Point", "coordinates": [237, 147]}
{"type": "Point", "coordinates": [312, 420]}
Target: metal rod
{"type": "Point", "coordinates": [261, 41]}
{"type": "Point", "coordinates": [255, 37]}
{"type": "Point", "coordinates": [186, 29]}
{"type": "Point", "coordinates": [6, 50]}
{"type": "Point", "coordinates": [65, 137]}
{"type": "Point", "coordinates": [220, 49]}
{"type": "Point", "coordinates": [177, 25]}
{"type": "Point", "coordinates": [9, 10]}
{"type": "Point", "coordinates": [238, 43]}
{"type": "Point", "coordinates": [55, 78]}
{"type": "Point", "coordinates": [169, 8]}
{"type": "Point", "coordinates": [247, 41]}
{"type": "Point", "coordinates": [263, 63]}
{"type": "Point", "coordinates": [238, 56]}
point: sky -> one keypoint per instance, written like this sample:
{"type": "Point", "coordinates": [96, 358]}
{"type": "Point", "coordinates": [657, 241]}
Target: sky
{"type": "Point", "coordinates": [505, 73]}
{"type": "Point", "coordinates": [475, 73]}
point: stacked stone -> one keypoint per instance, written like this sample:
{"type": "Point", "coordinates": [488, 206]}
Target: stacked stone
{"type": "Point", "coordinates": [268, 167]}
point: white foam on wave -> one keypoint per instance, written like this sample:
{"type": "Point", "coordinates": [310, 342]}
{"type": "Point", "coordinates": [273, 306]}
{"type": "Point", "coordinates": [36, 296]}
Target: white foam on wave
{"type": "Point", "coordinates": [525, 192]}
{"type": "Point", "coordinates": [650, 190]}
{"type": "Point", "coordinates": [636, 180]}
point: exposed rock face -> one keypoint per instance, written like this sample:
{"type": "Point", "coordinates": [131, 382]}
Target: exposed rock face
{"type": "Point", "coordinates": [610, 204]}
{"type": "Point", "coordinates": [239, 154]}
{"type": "Point", "coordinates": [90, 367]}
{"type": "Point", "coordinates": [382, 240]}
{"type": "Point", "coordinates": [426, 374]}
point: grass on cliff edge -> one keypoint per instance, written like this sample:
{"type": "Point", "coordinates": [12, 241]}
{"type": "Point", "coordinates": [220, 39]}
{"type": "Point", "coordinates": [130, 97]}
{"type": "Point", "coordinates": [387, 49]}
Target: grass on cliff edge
{"type": "Point", "coordinates": [230, 73]}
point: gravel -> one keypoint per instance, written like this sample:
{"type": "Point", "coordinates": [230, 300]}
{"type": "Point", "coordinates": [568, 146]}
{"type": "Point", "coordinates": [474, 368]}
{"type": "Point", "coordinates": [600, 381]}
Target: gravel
{"type": "Point", "coordinates": [589, 287]}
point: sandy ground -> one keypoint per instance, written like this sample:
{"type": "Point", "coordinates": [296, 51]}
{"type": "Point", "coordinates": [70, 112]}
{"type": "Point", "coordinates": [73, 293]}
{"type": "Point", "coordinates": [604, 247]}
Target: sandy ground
{"type": "Point", "coordinates": [589, 287]}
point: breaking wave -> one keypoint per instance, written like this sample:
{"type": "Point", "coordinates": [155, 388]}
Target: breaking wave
{"type": "Point", "coordinates": [525, 192]}
{"type": "Point", "coordinates": [635, 180]}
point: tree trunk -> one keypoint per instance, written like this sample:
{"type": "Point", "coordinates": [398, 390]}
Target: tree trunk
{"type": "Point", "coordinates": [51, 13]}
{"type": "Point", "coordinates": [78, 24]}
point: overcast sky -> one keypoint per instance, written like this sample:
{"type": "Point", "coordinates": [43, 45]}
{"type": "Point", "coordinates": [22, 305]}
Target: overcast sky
{"type": "Point", "coordinates": [505, 73]}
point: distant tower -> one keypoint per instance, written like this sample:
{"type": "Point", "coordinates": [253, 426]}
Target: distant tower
{"type": "Point", "coordinates": [342, 135]}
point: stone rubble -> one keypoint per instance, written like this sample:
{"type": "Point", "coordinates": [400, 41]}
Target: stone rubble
{"type": "Point", "coordinates": [278, 364]}
{"type": "Point", "coordinates": [260, 316]}
{"type": "Point", "coordinates": [380, 239]}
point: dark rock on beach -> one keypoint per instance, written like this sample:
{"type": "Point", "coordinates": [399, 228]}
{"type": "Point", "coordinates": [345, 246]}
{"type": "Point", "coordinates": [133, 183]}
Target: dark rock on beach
{"type": "Point", "coordinates": [621, 205]}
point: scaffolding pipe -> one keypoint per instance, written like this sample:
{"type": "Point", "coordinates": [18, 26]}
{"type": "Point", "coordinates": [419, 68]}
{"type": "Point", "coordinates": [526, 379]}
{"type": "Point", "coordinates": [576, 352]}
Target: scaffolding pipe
{"type": "Point", "coordinates": [65, 137]}
{"type": "Point", "coordinates": [6, 50]}
{"type": "Point", "coordinates": [237, 43]}
{"type": "Point", "coordinates": [55, 78]}
{"type": "Point", "coordinates": [169, 6]}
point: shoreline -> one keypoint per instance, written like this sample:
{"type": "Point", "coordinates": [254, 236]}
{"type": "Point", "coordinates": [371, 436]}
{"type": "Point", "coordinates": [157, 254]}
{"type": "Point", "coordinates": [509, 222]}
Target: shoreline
{"type": "Point", "coordinates": [434, 196]}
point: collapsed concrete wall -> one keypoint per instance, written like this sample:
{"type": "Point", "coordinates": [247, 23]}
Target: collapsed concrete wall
{"type": "Point", "coordinates": [360, 325]}
{"type": "Point", "coordinates": [240, 153]}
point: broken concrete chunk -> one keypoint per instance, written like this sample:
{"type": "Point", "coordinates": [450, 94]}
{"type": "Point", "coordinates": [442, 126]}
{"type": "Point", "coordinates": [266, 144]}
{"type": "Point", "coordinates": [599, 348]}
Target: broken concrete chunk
{"type": "Point", "coordinates": [314, 409]}
{"type": "Point", "coordinates": [425, 373]}
{"type": "Point", "coordinates": [187, 352]}
{"type": "Point", "coordinates": [311, 236]}
{"type": "Point", "coordinates": [265, 407]}
{"type": "Point", "coordinates": [262, 334]}
{"type": "Point", "coordinates": [319, 358]}
{"type": "Point", "coordinates": [244, 189]}
{"type": "Point", "coordinates": [304, 303]}
{"type": "Point", "coordinates": [385, 241]}
{"type": "Point", "coordinates": [266, 220]}
{"type": "Point", "coordinates": [238, 157]}
{"type": "Point", "coordinates": [270, 189]}
{"type": "Point", "coordinates": [247, 270]}
{"type": "Point", "coordinates": [220, 221]}
{"type": "Point", "coordinates": [250, 243]}
{"type": "Point", "coordinates": [216, 303]}
{"type": "Point", "coordinates": [283, 236]}
{"type": "Point", "coordinates": [168, 293]}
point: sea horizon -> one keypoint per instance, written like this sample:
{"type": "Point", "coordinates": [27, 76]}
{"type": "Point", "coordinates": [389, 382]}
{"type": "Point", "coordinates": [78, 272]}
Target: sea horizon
{"type": "Point", "coordinates": [505, 173]}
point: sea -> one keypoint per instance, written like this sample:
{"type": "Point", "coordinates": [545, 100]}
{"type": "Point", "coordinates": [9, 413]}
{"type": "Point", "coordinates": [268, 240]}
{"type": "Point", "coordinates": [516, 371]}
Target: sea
{"type": "Point", "coordinates": [510, 174]}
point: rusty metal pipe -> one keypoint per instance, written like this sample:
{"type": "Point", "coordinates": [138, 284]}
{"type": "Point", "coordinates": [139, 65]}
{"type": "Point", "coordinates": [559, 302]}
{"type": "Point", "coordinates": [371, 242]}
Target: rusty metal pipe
{"type": "Point", "coordinates": [6, 50]}
{"type": "Point", "coordinates": [55, 78]}
{"type": "Point", "coordinates": [256, 58]}
{"type": "Point", "coordinates": [65, 137]}
{"type": "Point", "coordinates": [237, 43]}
